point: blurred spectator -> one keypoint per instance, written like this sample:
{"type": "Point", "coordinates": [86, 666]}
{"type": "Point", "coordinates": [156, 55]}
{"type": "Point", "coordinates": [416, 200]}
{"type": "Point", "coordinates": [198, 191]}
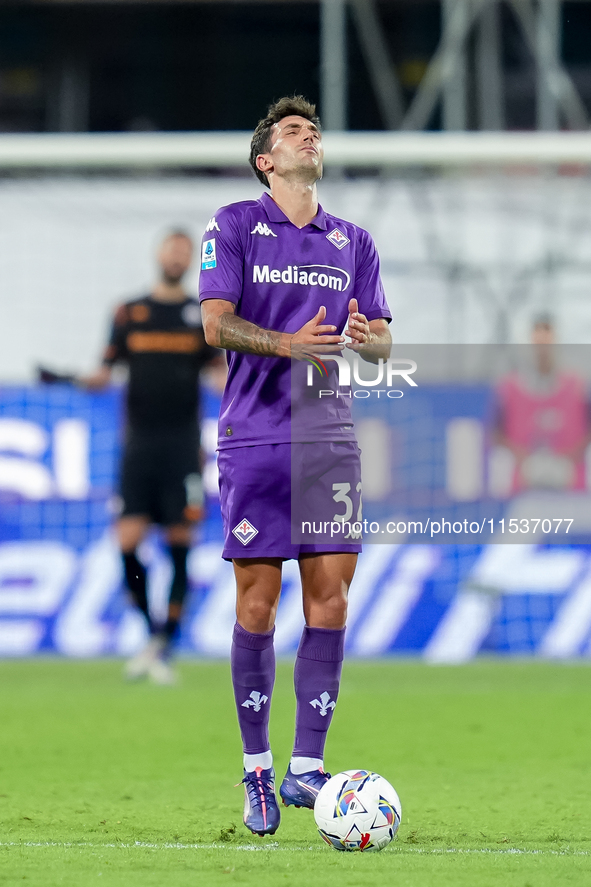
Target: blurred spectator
{"type": "Point", "coordinates": [543, 418]}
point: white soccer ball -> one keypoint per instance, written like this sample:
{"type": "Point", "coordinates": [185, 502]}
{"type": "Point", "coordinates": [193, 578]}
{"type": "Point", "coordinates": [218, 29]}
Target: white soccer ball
{"type": "Point", "coordinates": [357, 810]}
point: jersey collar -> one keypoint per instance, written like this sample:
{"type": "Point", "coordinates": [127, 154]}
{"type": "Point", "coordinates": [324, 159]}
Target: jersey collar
{"type": "Point", "coordinates": [276, 215]}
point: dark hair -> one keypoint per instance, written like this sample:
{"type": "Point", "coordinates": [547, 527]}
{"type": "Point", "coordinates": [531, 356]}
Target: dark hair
{"type": "Point", "coordinates": [177, 232]}
{"type": "Point", "coordinates": [544, 318]}
{"type": "Point", "coordinates": [285, 107]}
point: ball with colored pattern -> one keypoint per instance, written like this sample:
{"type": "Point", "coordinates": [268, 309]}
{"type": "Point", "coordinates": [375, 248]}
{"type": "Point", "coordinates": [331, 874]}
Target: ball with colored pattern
{"type": "Point", "coordinates": [357, 810]}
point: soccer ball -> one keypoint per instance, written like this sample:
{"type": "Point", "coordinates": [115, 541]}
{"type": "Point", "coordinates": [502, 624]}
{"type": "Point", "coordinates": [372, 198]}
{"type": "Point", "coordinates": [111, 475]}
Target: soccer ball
{"type": "Point", "coordinates": [357, 810]}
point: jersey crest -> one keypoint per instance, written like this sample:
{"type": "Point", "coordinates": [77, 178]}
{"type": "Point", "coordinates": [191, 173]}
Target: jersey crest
{"type": "Point", "coordinates": [337, 238]}
{"type": "Point", "coordinates": [245, 531]}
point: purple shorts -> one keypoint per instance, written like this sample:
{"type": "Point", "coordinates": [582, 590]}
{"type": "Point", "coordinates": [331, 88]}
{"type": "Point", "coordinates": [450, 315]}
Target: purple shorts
{"type": "Point", "coordinates": [283, 500]}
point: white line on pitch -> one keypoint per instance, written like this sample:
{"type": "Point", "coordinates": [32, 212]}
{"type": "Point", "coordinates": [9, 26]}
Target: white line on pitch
{"type": "Point", "coordinates": [274, 846]}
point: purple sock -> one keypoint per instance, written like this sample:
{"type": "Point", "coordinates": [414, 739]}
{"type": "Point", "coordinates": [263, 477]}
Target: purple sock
{"type": "Point", "coordinates": [253, 675]}
{"type": "Point", "coordinates": [316, 677]}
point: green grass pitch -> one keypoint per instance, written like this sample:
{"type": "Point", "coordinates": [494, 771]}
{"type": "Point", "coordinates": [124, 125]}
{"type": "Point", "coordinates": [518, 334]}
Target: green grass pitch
{"type": "Point", "coordinates": [103, 783]}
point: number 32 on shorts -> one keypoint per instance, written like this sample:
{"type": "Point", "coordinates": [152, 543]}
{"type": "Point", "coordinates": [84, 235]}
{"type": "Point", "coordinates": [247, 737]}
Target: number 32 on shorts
{"type": "Point", "coordinates": [341, 494]}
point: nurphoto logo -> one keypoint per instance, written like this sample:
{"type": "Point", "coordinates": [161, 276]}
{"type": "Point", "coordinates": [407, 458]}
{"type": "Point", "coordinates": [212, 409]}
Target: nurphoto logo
{"type": "Point", "coordinates": [384, 371]}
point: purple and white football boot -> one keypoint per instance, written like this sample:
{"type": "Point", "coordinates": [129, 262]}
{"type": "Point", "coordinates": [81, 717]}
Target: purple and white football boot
{"type": "Point", "coordinates": [301, 789]}
{"type": "Point", "coordinates": [261, 813]}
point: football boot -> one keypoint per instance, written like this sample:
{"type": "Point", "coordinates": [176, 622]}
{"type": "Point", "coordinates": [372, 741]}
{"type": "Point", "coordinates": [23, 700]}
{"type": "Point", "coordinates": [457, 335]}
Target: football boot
{"type": "Point", "coordinates": [162, 673]}
{"type": "Point", "coordinates": [261, 813]}
{"type": "Point", "coordinates": [301, 789]}
{"type": "Point", "coordinates": [139, 665]}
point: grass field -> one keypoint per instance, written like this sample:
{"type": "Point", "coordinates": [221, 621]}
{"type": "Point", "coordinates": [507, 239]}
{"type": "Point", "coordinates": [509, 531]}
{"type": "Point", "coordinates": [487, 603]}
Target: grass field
{"type": "Point", "coordinates": [107, 784]}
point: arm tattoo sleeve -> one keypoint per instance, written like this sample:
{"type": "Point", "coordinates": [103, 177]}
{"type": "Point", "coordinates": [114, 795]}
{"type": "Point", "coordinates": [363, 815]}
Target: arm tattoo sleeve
{"type": "Point", "coordinates": [237, 334]}
{"type": "Point", "coordinates": [377, 347]}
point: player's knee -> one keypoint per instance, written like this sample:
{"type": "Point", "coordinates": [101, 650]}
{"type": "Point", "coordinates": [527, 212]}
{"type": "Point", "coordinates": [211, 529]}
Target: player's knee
{"type": "Point", "coordinates": [329, 609]}
{"type": "Point", "coordinates": [336, 608]}
{"type": "Point", "coordinates": [131, 532]}
{"type": "Point", "coordinates": [257, 614]}
{"type": "Point", "coordinates": [179, 534]}
{"type": "Point", "coordinates": [128, 543]}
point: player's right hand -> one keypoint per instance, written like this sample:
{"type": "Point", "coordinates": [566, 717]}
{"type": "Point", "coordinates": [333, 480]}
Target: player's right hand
{"type": "Point", "coordinates": [316, 338]}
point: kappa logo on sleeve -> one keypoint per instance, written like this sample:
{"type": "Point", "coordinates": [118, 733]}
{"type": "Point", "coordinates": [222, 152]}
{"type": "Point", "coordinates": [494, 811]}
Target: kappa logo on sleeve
{"type": "Point", "coordinates": [212, 225]}
{"type": "Point", "coordinates": [208, 259]}
{"type": "Point", "coordinates": [245, 531]}
{"type": "Point", "coordinates": [338, 239]}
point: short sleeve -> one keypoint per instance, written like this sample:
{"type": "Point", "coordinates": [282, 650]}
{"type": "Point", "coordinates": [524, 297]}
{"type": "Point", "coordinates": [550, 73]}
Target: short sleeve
{"type": "Point", "coordinates": [222, 258]}
{"type": "Point", "coordinates": [116, 350]}
{"type": "Point", "coordinates": [369, 290]}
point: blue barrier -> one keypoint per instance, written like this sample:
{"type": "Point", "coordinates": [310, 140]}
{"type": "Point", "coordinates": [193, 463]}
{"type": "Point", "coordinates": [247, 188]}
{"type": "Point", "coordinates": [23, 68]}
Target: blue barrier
{"type": "Point", "coordinates": [60, 575]}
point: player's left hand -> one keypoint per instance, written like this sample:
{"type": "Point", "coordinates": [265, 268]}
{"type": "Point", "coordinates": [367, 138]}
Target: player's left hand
{"type": "Point", "coordinates": [357, 327]}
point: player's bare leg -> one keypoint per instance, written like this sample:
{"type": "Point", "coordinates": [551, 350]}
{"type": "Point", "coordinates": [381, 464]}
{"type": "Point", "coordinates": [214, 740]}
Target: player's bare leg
{"type": "Point", "coordinates": [325, 584]}
{"type": "Point", "coordinates": [258, 586]}
{"type": "Point", "coordinates": [131, 530]}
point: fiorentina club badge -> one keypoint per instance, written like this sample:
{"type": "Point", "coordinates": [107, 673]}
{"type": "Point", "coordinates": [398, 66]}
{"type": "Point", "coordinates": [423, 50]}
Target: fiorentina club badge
{"type": "Point", "coordinates": [338, 238]}
{"type": "Point", "coordinates": [245, 531]}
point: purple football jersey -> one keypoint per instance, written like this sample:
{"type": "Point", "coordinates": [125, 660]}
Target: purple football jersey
{"type": "Point", "coordinates": [278, 276]}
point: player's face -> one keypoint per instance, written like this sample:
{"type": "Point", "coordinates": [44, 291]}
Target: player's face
{"type": "Point", "coordinates": [174, 258]}
{"type": "Point", "coordinates": [543, 334]}
{"type": "Point", "coordinates": [296, 149]}
{"type": "Point", "coordinates": [543, 339]}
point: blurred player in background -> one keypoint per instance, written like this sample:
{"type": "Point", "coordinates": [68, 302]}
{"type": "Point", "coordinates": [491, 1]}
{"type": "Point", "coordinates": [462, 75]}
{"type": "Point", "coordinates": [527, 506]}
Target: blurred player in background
{"type": "Point", "coordinates": [159, 337]}
{"type": "Point", "coordinates": [281, 278]}
{"type": "Point", "coordinates": [543, 418]}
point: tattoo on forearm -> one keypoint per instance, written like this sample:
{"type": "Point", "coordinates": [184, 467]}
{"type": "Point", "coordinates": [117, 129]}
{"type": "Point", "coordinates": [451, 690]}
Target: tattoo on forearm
{"type": "Point", "coordinates": [237, 334]}
{"type": "Point", "coordinates": [377, 347]}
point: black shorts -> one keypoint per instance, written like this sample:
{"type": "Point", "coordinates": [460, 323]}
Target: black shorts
{"type": "Point", "coordinates": [160, 475]}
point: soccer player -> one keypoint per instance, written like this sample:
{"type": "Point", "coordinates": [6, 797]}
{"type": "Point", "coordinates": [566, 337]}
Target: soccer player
{"type": "Point", "coordinates": [159, 336]}
{"type": "Point", "coordinates": [281, 279]}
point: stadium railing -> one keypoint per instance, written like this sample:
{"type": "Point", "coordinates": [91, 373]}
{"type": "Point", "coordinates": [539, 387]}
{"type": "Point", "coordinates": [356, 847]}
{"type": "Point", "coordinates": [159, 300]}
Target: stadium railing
{"type": "Point", "coordinates": [357, 150]}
